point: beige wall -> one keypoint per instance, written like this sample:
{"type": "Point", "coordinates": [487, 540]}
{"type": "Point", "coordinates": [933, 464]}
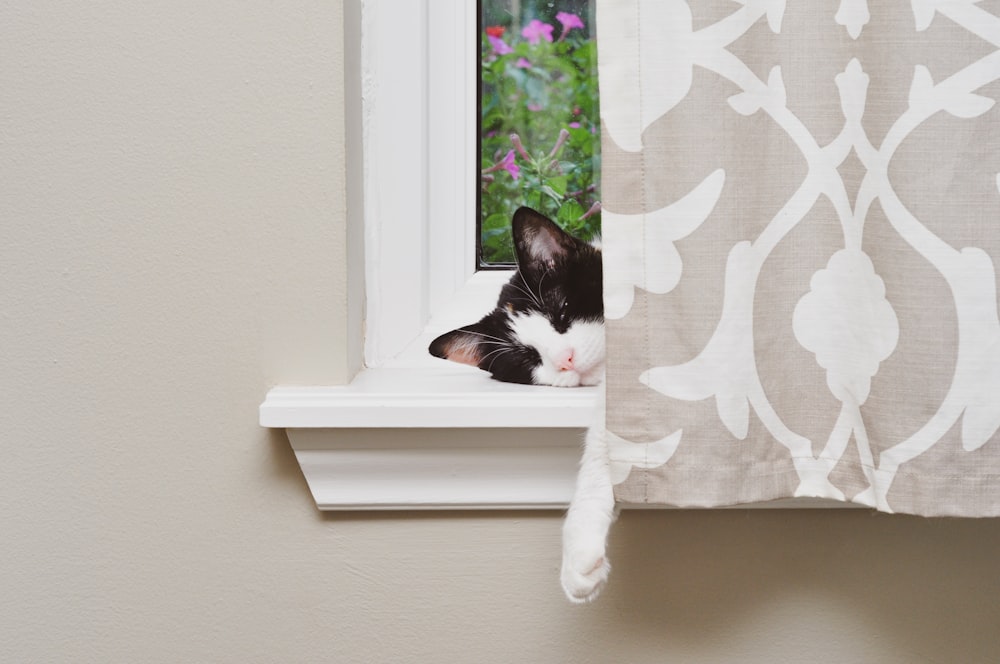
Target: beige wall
{"type": "Point", "coordinates": [172, 225]}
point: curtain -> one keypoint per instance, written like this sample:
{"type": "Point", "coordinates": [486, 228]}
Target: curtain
{"type": "Point", "coordinates": [801, 234]}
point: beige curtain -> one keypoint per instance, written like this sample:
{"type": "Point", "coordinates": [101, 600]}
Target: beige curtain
{"type": "Point", "coordinates": [801, 236]}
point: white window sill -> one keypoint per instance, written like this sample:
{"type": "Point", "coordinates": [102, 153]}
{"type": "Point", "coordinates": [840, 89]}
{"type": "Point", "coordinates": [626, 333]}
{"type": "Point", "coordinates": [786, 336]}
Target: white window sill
{"type": "Point", "coordinates": [441, 438]}
{"type": "Point", "coordinates": [443, 398]}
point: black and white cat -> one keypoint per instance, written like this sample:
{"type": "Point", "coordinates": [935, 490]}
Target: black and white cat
{"type": "Point", "coordinates": [548, 329]}
{"type": "Point", "coordinates": [548, 325]}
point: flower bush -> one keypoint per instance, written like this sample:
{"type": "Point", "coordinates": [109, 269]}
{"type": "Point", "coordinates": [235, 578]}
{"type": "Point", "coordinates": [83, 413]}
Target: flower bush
{"type": "Point", "coordinates": [540, 128]}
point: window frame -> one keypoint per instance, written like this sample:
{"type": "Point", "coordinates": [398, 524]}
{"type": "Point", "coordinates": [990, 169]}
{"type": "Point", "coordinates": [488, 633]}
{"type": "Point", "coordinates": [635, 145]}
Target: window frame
{"type": "Point", "coordinates": [420, 171]}
{"type": "Point", "coordinates": [412, 431]}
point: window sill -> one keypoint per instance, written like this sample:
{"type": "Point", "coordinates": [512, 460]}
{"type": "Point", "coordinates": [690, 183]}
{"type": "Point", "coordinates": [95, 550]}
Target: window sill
{"type": "Point", "coordinates": [470, 442]}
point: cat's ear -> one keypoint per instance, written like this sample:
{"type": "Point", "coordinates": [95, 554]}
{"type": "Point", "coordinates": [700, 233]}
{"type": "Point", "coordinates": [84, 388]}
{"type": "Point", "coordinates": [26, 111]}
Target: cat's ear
{"type": "Point", "coordinates": [539, 244]}
{"type": "Point", "coordinates": [464, 345]}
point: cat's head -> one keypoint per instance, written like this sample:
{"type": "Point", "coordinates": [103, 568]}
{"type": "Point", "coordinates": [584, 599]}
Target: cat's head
{"type": "Point", "coordinates": [548, 325]}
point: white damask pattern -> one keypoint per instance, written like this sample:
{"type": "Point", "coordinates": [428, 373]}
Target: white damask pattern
{"type": "Point", "coordinates": [651, 54]}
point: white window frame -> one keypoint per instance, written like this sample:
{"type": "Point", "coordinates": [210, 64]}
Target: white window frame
{"type": "Point", "coordinates": [419, 129]}
{"type": "Point", "coordinates": [410, 89]}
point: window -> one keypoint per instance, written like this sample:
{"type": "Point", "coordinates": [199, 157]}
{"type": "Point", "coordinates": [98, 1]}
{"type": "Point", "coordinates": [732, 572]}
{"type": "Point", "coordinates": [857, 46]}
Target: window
{"type": "Point", "coordinates": [422, 171]}
{"type": "Point", "coordinates": [412, 431]}
{"type": "Point", "coordinates": [539, 134]}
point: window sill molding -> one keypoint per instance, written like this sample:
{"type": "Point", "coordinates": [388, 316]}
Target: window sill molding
{"type": "Point", "coordinates": [471, 442]}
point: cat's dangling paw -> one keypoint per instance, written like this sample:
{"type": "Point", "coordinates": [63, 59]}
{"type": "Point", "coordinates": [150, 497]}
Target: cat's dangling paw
{"type": "Point", "coordinates": [584, 573]}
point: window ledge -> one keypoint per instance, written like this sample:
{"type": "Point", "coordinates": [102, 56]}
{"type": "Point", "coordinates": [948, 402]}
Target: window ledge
{"type": "Point", "coordinates": [471, 442]}
{"type": "Point", "coordinates": [424, 398]}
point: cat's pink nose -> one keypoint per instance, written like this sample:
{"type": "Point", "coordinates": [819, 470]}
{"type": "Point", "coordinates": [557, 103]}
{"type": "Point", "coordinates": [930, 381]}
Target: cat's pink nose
{"type": "Point", "coordinates": [564, 360]}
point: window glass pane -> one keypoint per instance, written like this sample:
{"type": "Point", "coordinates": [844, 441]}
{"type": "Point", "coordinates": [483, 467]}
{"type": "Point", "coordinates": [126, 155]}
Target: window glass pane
{"type": "Point", "coordinates": [539, 126]}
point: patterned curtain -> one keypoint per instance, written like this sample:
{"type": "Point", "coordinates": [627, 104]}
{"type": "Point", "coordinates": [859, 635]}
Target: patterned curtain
{"type": "Point", "coordinates": [801, 236]}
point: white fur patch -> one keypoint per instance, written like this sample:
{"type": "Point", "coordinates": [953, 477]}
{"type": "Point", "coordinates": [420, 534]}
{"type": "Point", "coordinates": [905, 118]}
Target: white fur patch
{"type": "Point", "coordinates": [584, 338]}
{"type": "Point", "coordinates": [585, 564]}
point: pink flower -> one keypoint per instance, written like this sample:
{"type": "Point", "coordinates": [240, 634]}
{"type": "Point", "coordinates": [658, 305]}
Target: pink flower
{"type": "Point", "coordinates": [500, 47]}
{"type": "Point", "coordinates": [569, 21]}
{"type": "Point", "coordinates": [594, 209]}
{"type": "Point", "coordinates": [574, 125]}
{"type": "Point", "coordinates": [534, 108]}
{"type": "Point", "coordinates": [509, 165]}
{"type": "Point", "coordinates": [536, 31]}
{"type": "Point", "coordinates": [522, 63]}
{"type": "Point", "coordinates": [515, 140]}
{"type": "Point", "coordinates": [563, 135]}
{"type": "Point", "coordinates": [506, 164]}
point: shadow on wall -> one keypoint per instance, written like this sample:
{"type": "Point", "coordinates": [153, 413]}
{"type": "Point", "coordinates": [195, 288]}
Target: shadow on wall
{"type": "Point", "coordinates": [927, 586]}
{"type": "Point", "coordinates": [718, 585]}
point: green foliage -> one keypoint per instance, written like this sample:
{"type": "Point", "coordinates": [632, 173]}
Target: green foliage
{"type": "Point", "coordinates": [540, 140]}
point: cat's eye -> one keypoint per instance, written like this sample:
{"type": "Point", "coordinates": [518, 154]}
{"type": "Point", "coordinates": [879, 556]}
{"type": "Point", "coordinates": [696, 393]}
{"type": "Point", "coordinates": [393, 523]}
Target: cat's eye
{"type": "Point", "coordinates": [539, 125]}
{"type": "Point", "coordinates": [563, 315]}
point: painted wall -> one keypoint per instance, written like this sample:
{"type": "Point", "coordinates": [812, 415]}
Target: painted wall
{"type": "Point", "coordinates": [172, 232]}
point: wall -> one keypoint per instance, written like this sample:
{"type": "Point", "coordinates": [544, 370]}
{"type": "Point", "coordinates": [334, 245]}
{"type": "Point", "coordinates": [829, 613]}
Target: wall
{"type": "Point", "coordinates": [173, 226]}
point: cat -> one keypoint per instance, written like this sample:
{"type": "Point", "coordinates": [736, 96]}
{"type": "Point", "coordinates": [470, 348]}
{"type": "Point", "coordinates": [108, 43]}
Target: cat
{"type": "Point", "coordinates": [548, 329]}
{"type": "Point", "coordinates": [548, 324]}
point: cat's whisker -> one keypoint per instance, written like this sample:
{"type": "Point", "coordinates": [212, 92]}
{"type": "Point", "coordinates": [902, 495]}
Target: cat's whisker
{"type": "Point", "coordinates": [537, 300]}
{"type": "Point", "coordinates": [540, 280]}
{"type": "Point", "coordinates": [504, 348]}
{"type": "Point", "coordinates": [497, 354]}
{"type": "Point", "coordinates": [528, 292]}
{"type": "Point", "coordinates": [487, 336]}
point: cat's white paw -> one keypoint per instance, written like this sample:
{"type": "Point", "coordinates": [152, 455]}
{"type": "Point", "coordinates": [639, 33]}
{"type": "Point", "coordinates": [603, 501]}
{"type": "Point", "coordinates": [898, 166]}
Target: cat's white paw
{"type": "Point", "coordinates": [584, 572]}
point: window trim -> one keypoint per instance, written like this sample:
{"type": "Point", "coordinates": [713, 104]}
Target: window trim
{"type": "Point", "coordinates": [412, 172]}
{"type": "Point", "coordinates": [420, 166]}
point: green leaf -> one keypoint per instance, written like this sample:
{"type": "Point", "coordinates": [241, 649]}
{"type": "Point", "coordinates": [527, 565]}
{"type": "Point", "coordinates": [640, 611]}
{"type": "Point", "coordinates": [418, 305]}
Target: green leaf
{"type": "Point", "coordinates": [548, 191]}
{"type": "Point", "coordinates": [497, 221]}
{"type": "Point", "coordinates": [569, 212]}
{"type": "Point", "coordinates": [557, 184]}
